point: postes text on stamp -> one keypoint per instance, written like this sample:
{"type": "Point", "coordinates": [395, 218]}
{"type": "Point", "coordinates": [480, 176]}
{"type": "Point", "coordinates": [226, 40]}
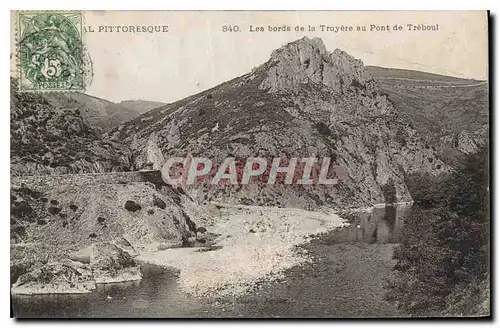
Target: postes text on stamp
{"type": "Point", "coordinates": [52, 56]}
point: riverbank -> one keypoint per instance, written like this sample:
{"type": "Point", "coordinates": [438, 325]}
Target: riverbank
{"type": "Point", "coordinates": [253, 243]}
{"type": "Point", "coordinates": [344, 280]}
{"type": "Point", "coordinates": [259, 271]}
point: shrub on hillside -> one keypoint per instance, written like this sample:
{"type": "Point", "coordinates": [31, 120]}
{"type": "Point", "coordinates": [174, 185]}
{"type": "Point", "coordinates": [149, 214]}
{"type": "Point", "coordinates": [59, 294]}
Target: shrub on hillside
{"type": "Point", "coordinates": [158, 202]}
{"type": "Point", "coordinates": [132, 206]}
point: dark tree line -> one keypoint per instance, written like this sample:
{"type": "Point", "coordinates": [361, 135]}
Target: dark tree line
{"type": "Point", "coordinates": [443, 258]}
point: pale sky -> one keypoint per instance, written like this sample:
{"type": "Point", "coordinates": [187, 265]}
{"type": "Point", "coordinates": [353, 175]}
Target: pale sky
{"type": "Point", "coordinates": [195, 54]}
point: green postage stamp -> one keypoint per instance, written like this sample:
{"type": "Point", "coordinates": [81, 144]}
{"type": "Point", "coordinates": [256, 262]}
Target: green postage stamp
{"type": "Point", "coordinates": [51, 51]}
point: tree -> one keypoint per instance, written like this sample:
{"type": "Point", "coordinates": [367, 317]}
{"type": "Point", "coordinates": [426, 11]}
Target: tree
{"type": "Point", "coordinates": [445, 242]}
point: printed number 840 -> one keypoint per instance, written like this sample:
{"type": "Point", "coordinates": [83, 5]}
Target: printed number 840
{"type": "Point", "coordinates": [230, 28]}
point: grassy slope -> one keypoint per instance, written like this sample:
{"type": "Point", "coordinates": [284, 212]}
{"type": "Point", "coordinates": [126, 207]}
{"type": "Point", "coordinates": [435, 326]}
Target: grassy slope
{"type": "Point", "coordinates": [99, 113]}
{"type": "Point", "coordinates": [141, 106]}
{"type": "Point", "coordinates": [387, 73]}
{"type": "Point", "coordinates": [434, 103]}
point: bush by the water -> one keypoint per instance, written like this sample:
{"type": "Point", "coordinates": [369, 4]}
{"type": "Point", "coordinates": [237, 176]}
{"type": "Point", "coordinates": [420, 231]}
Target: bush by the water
{"type": "Point", "coordinates": [444, 253]}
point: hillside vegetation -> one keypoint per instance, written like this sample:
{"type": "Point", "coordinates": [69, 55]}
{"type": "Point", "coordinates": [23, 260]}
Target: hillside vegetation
{"type": "Point", "coordinates": [451, 114]}
{"type": "Point", "coordinates": [49, 140]}
{"type": "Point", "coordinates": [443, 259]}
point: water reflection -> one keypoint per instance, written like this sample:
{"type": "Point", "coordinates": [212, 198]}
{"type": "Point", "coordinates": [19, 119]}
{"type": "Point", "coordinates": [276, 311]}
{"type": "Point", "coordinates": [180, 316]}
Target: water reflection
{"type": "Point", "coordinates": [382, 225]}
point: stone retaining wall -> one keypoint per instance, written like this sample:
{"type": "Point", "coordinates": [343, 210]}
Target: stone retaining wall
{"type": "Point", "coordinates": [88, 179]}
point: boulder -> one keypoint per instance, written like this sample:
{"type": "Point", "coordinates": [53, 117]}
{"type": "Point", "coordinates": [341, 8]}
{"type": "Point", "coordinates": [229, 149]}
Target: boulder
{"type": "Point", "coordinates": [110, 263]}
{"type": "Point", "coordinates": [62, 277]}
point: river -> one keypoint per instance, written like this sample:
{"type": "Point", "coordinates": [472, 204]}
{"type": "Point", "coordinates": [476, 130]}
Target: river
{"type": "Point", "coordinates": [346, 278]}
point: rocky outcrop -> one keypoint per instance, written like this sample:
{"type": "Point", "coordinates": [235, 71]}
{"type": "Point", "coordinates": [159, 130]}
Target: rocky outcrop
{"type": "Point", "coordinates": [307, 61]}
{"type": "Point", "coordinates": [100, 114]}
{"type": "Point", "coordinates": [98, 263]}
{"type": "Point", "coordinates": [152, 158]}
{"type": "Point", "coordinates": [58, 277]}
{"type": "Point", "coordinates": [465, 142]}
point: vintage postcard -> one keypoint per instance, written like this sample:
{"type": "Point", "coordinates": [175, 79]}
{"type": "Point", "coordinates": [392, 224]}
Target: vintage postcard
{"type": "Point", "coordinates": [249, 164]}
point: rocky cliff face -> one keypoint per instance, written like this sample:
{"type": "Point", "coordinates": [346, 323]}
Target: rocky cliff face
{"type": "Point", "coordinates": [304, 101]}
{"type": "Point", "coordinates": [307, 61]}
{"type": "Point", "coordinates": [103, 262]}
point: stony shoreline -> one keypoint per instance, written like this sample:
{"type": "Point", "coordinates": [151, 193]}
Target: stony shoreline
{"type": "Point", "coordinates": [41, 289]}
{"type": "Point", "coordinates": [340, 281]}
{"type": "Point", "coordinates": [253, 242]}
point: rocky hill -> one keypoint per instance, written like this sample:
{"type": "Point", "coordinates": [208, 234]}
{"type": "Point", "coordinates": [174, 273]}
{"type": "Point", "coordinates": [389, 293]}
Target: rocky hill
{"type": "Point", "coordinates": [303, 101]}
{"type": "Point", "coordinates": [452, 114]}
{"type": "Point", "coordinates": [100, 114]}
{"type": "Point", "coordinates": [71, 231]}
{"type": "Point", "coordinates": [67, 227]}
{"type": "Point", "coordinates": [88, 210]}
{"type": "Point", "coordinates": [47, 139]}
{"type": "Point", "coordinates": [141, 106]}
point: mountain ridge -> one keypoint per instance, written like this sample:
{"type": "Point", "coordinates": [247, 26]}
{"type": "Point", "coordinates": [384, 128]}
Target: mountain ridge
{"type": "Point", "coordinates": [302, 101]}
{"type": "Point", "coordinates": [390, 72]}
{"type": "Point", "coordinates": [451, 113]}
{"type": "Point", "coordinates": [141, 106]}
